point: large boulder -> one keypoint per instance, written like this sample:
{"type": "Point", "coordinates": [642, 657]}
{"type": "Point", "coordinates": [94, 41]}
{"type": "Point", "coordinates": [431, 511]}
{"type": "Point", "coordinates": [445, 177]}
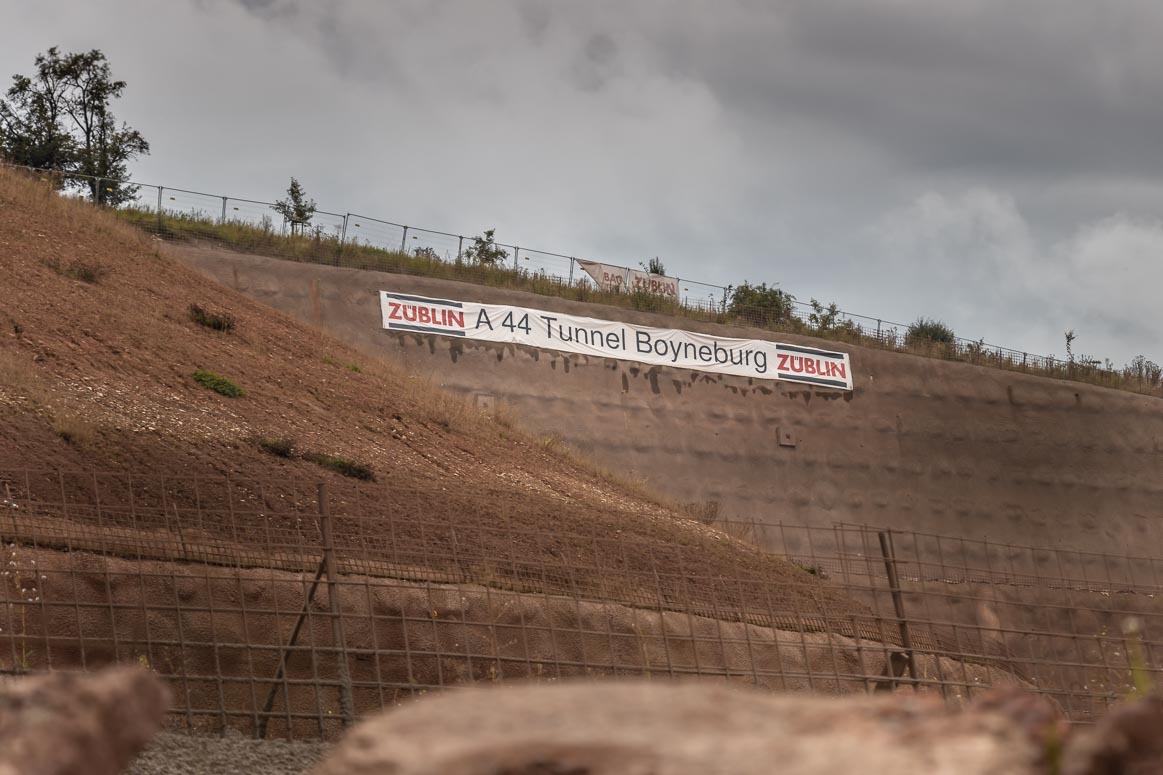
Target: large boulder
{"type": "Point", "coordinates": [635, 728]}
{"type": "Point", "coordinates": [74, 724]}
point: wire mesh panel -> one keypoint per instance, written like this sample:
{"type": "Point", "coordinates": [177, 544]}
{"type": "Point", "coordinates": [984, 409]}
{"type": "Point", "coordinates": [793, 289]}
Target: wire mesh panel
{"type": "Point", "coordinates": [280, 607]}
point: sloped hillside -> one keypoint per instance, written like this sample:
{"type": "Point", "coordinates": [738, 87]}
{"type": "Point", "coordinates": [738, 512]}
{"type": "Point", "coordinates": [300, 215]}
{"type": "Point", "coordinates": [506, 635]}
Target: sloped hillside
{"type": "Point", "coordinates": [98, 356]}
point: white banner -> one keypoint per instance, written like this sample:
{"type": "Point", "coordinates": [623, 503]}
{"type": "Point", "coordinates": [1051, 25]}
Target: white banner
{"type": "Point", "coordinates": [607, 339]}
{"type": "Point", "coordinates": [619, 278]}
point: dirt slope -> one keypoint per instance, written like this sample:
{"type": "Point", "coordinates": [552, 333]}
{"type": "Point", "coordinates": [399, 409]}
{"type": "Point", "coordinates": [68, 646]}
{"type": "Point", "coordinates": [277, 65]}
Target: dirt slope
{"type": "Point", "coordinates": [97, 353]}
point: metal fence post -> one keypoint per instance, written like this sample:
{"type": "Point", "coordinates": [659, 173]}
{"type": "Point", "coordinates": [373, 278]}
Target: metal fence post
{"type": "Point", "coordinates": [571, 260]}
{"type": "Point", "coordinates": [339, 641]}
{"type": "Point", "coordinates": [459, 247]}
{"type": "Point", "coordinates": [160, 189]}
{"type": "Point", "coordinates": [516, 252]}
{"type": "Point", "coordinates": [97, 192]}
{"type": "Point", "coordinates": [404, 242]}
{"type": "Point", "coordinates": [898, 603]}
{"type": "Point", "coordinates": [222, 220]}
{"type": "Point", "coordinates": [342, 239]}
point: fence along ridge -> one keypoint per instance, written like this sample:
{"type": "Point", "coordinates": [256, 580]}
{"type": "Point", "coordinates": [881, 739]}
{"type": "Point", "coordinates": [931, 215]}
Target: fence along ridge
{"type": "Point", "coordinates": [883, 333]}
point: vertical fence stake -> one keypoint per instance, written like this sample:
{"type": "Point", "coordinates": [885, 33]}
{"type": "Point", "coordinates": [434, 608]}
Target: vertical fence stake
{"type": "Point", "coordinates": [97, 193]}
{"type": "Point", "coordinates": [516, 252]}
{"type": "Point", "coordinates": [346, 704]}
{"type": "Point", "coordinates": [222, 220]}
{"type": "Point", "coordinates": [404, 241]}
{"type": "Point", "coordinates": [571, 271]}
{"type": "Point", "coordinates": [160, 189]}
{"type": "Point", "coordinates": [459, 247]}
{"type": "Point", "coordinates": [898, 602]}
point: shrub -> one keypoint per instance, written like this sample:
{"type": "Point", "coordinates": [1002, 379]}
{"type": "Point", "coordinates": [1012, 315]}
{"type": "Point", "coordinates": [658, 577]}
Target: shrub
{"type": "Point", "coordinates": [342, 465]}
{"type": "Point", "coordinates": [928, 330]}
{"type": "Point", "coordinates": [278, 447]}
{"type": "Point", "coordinates": [706, 512]}
{"type": "Point", "coordinates": [760, 305]}
{"type": "Point", "coordinates": [830, 320]}
{"type": "Point", "coordinates": [219, 384]}
{"type": "Point", "coordinates": [211, 320]}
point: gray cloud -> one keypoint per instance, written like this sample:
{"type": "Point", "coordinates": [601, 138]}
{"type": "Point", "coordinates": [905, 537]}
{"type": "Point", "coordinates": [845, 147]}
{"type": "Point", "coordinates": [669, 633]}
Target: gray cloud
{"type": "Point", "coordinates": [994, 163]}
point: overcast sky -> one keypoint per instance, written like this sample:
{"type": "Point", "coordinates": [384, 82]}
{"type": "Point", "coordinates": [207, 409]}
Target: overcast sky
{"type": "Point", "coordinates": [996, 164]}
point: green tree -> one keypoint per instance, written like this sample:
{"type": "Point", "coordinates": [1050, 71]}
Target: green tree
{"type": "Point", "coordinates": [297, 209]}
{"type": "Point", "coordinates": [60, 118]}
{"type": "Point", "coordinates": [831, 320]}
{"type": "Point", "coordinates": [761, 305]}
{"type": "Point", "coordinates": [485, 250]}
{"type": "Point", "coordinates": [32, 118]}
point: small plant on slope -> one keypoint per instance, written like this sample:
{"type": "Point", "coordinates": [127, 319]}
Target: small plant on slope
{"type": "Point", "coordinates": [342, 465]}
{"type": "Point", "coordinates": [211, 320]}
{"type": "Point", "coordinates": [279, 447]}
{"type": "Point", "coordinates": [81, 271]}
{"type": "Point", "coordinates": [219, 384]}
{"type": "Point", "coordinates": [22, 581]}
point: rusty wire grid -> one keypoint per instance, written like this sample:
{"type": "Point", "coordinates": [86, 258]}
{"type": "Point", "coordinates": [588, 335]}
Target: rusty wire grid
{"type": "Point", "coordinates": [286, 608]}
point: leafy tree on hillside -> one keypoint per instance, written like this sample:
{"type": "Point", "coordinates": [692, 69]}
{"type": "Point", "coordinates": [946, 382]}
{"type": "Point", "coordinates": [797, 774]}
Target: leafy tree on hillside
{"type": "Point", "coordinates": [485, 250]}
{"type": "Point", "coordinates": [761, 305]}
{"type": "Point", "coordinates": [297, 209]}
{"type": "Point", "coordinates": [60, 118]}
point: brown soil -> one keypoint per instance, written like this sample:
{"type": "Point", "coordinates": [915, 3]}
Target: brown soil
{"type": "Point", "coordinates": [98, 376]}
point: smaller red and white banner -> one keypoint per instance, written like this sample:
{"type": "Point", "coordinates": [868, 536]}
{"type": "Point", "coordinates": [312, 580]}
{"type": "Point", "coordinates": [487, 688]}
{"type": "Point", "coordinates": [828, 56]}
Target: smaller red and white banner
{"type": "Point", "coordinates": [619, 278]}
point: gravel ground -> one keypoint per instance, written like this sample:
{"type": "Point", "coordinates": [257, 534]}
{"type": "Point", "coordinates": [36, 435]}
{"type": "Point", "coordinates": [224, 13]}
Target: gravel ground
{"type": "Point", "coordinates": [178, 754]}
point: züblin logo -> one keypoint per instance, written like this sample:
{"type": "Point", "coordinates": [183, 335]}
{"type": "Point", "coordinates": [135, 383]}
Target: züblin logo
{"type": "Point", "coordinates": [416, 313]}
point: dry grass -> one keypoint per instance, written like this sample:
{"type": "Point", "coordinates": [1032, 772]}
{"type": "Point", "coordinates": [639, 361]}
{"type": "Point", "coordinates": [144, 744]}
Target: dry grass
{"type": "Point", "coordinates": [739, 530]}
{"type": "Point", "coordinates": [70, 214]}
{"type": "Point", "coordinates": [19, 377]}
{"type": "Point", "coordinates": [74, 429]}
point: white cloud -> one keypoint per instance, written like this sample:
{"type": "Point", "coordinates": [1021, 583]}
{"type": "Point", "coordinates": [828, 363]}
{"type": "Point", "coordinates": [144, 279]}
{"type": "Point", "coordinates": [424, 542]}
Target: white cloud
{"type": "Point", "coordinates": [989, 274]}
{"type": "Point", "coordinates": [735, 140]}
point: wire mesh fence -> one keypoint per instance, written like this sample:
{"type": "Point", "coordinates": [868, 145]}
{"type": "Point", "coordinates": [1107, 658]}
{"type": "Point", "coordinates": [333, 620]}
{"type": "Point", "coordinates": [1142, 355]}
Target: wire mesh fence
{"type": "Point", "coordinates": [289, 608]}
{"type": "Point", "coordinates": [363, 242]}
